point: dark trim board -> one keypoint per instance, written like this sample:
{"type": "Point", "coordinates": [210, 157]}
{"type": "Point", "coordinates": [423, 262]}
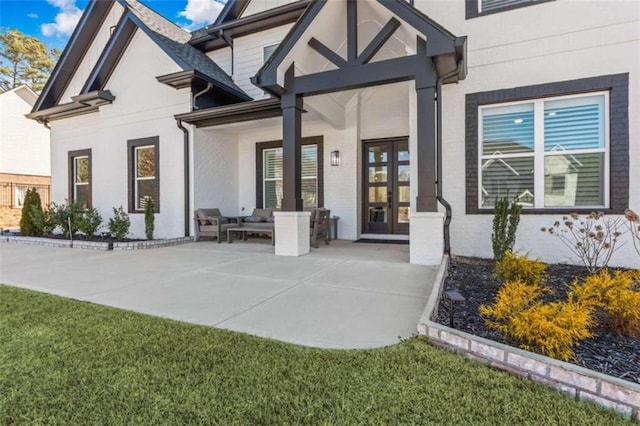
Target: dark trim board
{"type": "Point", "coordinates": [471, 8]}
{"type": "Point", "coordinates": [131, 145]}
{"type": "Point", "coordinates": [618, 87]}
{"type": "Point", "coordinates": [375, 241]}
{"type": "Point", "coordinates": [70, 176]}
{"type": "Point", "coordinates": [311, 140]}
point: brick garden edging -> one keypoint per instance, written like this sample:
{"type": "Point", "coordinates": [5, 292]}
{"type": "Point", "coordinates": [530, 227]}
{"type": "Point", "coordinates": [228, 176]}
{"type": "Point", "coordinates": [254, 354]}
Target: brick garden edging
{"type": "Point", "coordinates": [95, 245]}
{"type": "Point", "coordinates": [579, 382]}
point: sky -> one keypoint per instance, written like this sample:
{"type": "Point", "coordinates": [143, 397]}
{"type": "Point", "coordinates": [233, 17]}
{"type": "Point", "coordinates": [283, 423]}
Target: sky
{"type": "Point", "coordinates": [53, 21]}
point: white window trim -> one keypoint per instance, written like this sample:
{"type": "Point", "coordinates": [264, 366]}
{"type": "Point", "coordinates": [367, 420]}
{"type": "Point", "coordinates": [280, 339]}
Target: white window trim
{"type": "Point", "coordinates": [539, 154]}
{"type": "Point", "coordinates": [266, 179]}
{"type": "Point", "coordinates": [136, 179]}
{"type": "Point", "coordinates": [75, 176]}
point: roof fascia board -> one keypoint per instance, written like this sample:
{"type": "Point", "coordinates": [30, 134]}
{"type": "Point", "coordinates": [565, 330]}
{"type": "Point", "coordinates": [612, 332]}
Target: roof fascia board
{"type": "Point", "coordinates": [233, 9]}
{"type": "Point", "coordinates": [81, 104]}
{"type": "Point", "coordinates": [236, 113]}
{"type": "Point", "coordinates": [74, 52]}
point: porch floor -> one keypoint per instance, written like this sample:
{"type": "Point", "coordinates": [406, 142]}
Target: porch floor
{"type": "Point", "coordinates": [343, 295]}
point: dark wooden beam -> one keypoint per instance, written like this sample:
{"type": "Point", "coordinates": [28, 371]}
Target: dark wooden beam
{"type": "Point", "coordinates": [352, 30]}
{"type": "Point", "coordinates": [356, 77]}
{"type": "Point", "coordinates": [332, 56]}
{"type": "Point", "coordinates": [378, 41]}
{"type": "Point", "coordinates": [291, 146]}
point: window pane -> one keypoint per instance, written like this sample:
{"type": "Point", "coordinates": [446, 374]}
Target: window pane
{"type": "Point", "coordinates": [146, 188]}
{"type": "Point", "coordinates": [403, 174]}
{"type": "Point", "coordinates": [378, 154]}
{"type": "Point", "coordinates": [508, 177]}
{"type": "Point", "coordinates": [378, 174]}
{"type": "Point", "coordinates": [574, 180]}
{"type": "Point", "coordinates": [507, 130]}
{"type": "Point", "coordinates": [267, 51]}
{"type": "Point", "coordinates": [145, 162]}
{"type": "Point", "coordinates": [403, 151]}
{"type": "Point", "coordinates": [378, 194]}
{"type": "Point", "coordinates": [576, 123]}
{"type": "Point", "coordinates": [309, 160]}
{"type": "Point", "coordinates": [498, 4]}
{"type": "Point", "coordinates": [309, 193]}
{"type": "Point", "coordinates": [272, 194]}
{"type": "Point", "coordinates": [82, 169]}
{"type": "Point", "coordinates": [82, 196]}
{"type": "Point", "coordinates": [273, 163]}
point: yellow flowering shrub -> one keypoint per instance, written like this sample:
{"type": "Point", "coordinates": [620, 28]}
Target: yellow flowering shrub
{"type": "Point", "coordinates": [520, 268]}
{"type": "Point", "coordinates": [617, 295]}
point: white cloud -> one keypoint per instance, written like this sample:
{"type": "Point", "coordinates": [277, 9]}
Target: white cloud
{"type": "Point", "coordinates": [65, 21]}
{"type": "Point", "coordinates": [32, 15]}
{"type": "Point", "coordinates": [201, 12]}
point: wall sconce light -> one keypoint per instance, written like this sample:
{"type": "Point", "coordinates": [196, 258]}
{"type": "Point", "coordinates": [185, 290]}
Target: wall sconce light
{"type": "Point", "coordinates": [335, 158]}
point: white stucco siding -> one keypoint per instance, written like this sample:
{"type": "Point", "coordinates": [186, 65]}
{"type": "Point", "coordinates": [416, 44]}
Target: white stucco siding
{"type": "Point", "coordinates": [216, 170]}
{"type": "Point", "coordinates": [143, 108]}
{"type": "Point", "coordinates": [223, 57]}
{"type": "Point", "coordinates": [24, 144]}
{"type": "Point", "coordinates": [248, 57]}
{"type": "Point", "coordinates": [256, 6]}
{"type": "Point", "coordinates": [550, 42]}
{"type": "Point", "coordinates": [93, 53]}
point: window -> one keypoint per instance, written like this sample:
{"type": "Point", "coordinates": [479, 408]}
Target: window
{"type": "Point", "coordinates": [267, 51]}
{"type": "Point", "coordinates": [80, 177]}
{"type": "Point", "coordinates": [557, 147]}
{"type": "Point", "coordinates": [475, 8]}
{"type": "Point", "coordinates": [269, 171]}
{"type": "Point", "coordinates": [143, 173]}
{"type": "Point", "coordinates": [546, 153]}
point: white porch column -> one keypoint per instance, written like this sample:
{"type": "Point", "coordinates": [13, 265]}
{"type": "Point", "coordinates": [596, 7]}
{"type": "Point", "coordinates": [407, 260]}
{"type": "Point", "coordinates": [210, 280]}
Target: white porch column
{"type": "Point", "coordinates": [426, 238]}
{"type": "Point", "coordinates": [292, 233]}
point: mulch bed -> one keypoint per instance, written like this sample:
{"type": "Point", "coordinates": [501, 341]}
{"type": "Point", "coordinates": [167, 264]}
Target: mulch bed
{"type": "Point", "coordinates": [607, 353]}
{"type": "Point", "coordinates": [104, 238]}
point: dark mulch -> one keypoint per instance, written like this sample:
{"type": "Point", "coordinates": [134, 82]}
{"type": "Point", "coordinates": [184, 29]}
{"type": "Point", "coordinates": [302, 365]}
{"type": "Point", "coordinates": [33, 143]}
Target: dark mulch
{"type": "Point", "coordinates": [607, 353]}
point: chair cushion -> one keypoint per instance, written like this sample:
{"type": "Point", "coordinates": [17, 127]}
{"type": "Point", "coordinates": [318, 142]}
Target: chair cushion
{"type": "Point", "coordinates": [271, 219]}
{"type": "Point", "coordinates": [262, 212]}
{"type": "Point", "coordinates": [255, 219]}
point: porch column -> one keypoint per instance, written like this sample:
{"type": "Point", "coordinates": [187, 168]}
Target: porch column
{"type": "Point", "coordinates": [291, 225]}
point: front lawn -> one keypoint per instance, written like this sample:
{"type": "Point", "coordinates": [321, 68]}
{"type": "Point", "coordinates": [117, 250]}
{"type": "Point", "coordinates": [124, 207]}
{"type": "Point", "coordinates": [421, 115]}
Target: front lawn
{"type": "Point", "coordinates": [63, 361]}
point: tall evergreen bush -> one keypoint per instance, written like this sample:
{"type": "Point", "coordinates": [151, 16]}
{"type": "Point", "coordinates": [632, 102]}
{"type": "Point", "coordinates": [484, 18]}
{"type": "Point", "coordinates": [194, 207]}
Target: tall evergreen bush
{"type": "Point", "coordinates": [31, 203]}
{"type": "Point", "coordinates": [505, 224]}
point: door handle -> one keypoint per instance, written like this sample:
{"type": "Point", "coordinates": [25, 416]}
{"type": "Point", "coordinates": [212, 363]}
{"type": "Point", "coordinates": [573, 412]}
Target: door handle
{"type": "Point", "coordinates": [389, 199]}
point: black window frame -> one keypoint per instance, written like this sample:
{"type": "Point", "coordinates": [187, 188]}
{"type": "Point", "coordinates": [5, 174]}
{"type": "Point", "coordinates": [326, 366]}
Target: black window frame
{"type": "Point", "coordinates": [132, 144]}
{"type": "Point", "coordinates": [72, 155]}
{"type": "Point", "coordinates": [471, 8]}
{"type": "Point", "coordinates": [618, 87]}
{"type": "Point", "coordinates": [261, 146]}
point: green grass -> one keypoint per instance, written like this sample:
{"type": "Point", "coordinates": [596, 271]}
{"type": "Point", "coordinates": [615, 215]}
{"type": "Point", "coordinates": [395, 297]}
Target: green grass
{"type": "Point", "coordinates": [63, 361]}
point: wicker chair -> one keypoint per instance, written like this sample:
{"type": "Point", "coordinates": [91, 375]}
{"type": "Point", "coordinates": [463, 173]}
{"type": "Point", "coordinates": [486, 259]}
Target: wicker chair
{"type": "Point", "coordinates": [211, 223]}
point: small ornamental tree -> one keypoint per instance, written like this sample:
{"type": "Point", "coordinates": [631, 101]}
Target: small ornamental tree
{"type": "Point", "coordinates": [30, 203]}
{"type": "Point", "coordinates": [506, 218]}
{"type": "Point", "coordinates": [149, 217]}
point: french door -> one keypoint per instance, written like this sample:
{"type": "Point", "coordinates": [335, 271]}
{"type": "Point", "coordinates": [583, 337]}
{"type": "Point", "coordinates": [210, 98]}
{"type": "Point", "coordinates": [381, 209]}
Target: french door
{"type": "Point", "coordinates": [386, 183]}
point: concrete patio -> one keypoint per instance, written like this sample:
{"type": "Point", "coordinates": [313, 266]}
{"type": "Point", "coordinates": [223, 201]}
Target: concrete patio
{"type": "Point", "coordinates": [344, 295]}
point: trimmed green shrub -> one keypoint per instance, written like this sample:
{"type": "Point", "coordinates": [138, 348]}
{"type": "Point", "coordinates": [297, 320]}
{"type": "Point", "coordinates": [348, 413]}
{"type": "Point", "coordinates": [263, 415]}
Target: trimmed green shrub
{"type": "Point", "coordinates": [149, 218]}
{"type": "Point", "coordinates": [89, 222]}
{"type": "Point", "coordinates": [67, 217]}
{"type": "Point", "coordinates": [31, 202]}
{"type": "Point", "coordinates": [505, 223]}
{"type": "Point", "coordinates": [42, 220]}
{"type": "Point", "coordinates": [119, 224]}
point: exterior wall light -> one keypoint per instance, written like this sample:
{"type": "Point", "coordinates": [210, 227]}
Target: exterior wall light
{"type": "Point", "coordinates": [335, 158]}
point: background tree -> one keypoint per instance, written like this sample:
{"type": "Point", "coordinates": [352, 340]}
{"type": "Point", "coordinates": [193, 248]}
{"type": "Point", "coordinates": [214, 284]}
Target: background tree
{"type": "Point", "coordinates": [25, 60]}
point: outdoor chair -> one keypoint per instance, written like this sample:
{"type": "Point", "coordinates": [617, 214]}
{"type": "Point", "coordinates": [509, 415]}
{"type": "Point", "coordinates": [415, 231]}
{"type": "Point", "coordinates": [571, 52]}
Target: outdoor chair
{"type": "Point", "coordinates": [320, 225]}
{"type": "Point", "coordinates": [211, 223]}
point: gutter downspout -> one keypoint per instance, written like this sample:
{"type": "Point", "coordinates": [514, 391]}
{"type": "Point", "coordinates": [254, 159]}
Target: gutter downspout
{"type": "Point", "coordinates": [44, 122]}
{"type": "Point", "coordinates": [187, 203]}
{"type": "Point", "coordinates": [200, 93]}
{"type": "Point", "coordinates": [439, 197]}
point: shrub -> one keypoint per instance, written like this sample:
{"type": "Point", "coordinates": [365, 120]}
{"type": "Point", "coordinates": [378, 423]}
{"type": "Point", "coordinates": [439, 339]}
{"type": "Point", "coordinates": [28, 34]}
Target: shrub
{"type": "Point", "coordinates": [616, 296]}
{"type": "Point", "coordinates": [31, 202]}
{"type": "Point", "coordinates": [551, 329]}
{"type": "Point", "coordinates": [149, 218]}
{"type": "Point", "coordinates": [506, 218]}
{"type": "Point", "coordinates": [42, 220]}
{"type": "Point", "coordinates": [592, 238]}
{"type": "Point", "coordinates": [633, 223]}
{"type": "Point", "coordinates": [89, 222]}
{"type": "Point", "coordinates": [67, 217]}
{"type": "Point", "coordinates": [520, 268]}
{"type": "Point", "coordinates": [119, 224]}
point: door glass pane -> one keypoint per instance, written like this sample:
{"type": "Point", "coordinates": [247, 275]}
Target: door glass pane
{"type": "Point", "coordinates": [403, 214]}
{"type": "Point", "coordinates": [403, 194]}
{"type": "Point", "coordinates": [507, 129]}
{"type": "Point", "coordinates": [377, 154]}
{"type": "Point", "coordinates": [507, 177]}
{"type": "Point", "coordinates": [378, 214]}
{"type": "Point", "coordinates": [404, 173]}
{"type": "Point", "coordinates": [403, 151]}
{"type": "Point", "coordinates": [574, 180]}
{"type": "Point", "coordinates": [378, 194]}
{"type": "Point", "coordinates": [378, 174]}
{"type": "Point", "coordinates": [145, 162]}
